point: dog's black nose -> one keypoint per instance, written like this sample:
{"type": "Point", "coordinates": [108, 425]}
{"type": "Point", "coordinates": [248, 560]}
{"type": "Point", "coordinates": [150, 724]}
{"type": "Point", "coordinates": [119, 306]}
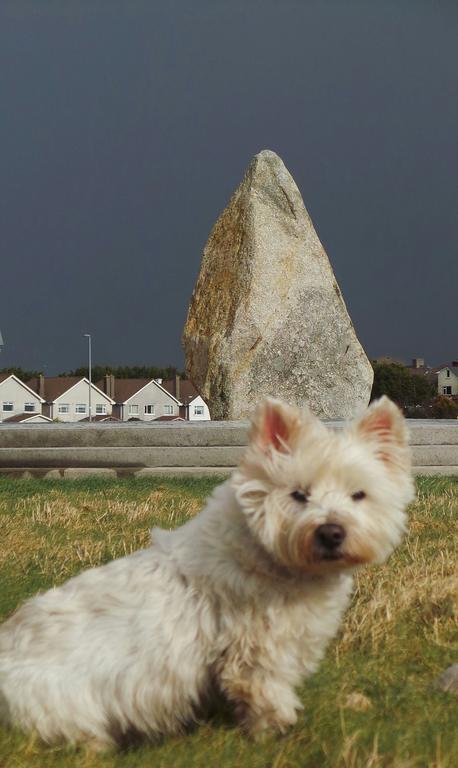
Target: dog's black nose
{"type": "Point", "coordinates": [330, 535]}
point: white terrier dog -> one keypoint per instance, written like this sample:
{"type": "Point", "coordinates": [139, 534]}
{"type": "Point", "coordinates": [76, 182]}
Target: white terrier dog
{"type": "Point", "coordinates": [242, 599]}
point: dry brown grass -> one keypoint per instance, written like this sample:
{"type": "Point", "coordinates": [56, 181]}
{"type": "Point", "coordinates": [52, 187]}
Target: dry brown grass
{"type": "Point", "coordinates": [371, 705]}
{"type": "Point", "coordinates": [59, 535]}
{"type": "Point", "coordinates": [421, 580]}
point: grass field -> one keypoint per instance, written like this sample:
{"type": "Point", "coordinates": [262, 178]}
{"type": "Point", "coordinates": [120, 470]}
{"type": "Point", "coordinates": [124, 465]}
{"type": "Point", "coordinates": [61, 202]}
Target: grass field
{"type": "Point", "coordinates": [371, 704]}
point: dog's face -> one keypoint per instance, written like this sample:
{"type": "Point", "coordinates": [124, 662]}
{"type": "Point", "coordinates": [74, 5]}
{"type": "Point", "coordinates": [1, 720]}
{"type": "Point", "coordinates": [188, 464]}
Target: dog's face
{"type": "Point", "coordinates": [319, 500]}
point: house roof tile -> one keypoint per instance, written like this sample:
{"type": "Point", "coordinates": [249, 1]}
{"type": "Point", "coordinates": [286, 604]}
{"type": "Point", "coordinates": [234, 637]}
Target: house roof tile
{"type": "Point", "coordinates": [101, 417]}
{"type": "Point", "coordinates": [187, 389]}
{"type": "Point", "coordinates": [18, 417]}
{"type": "Point", "coordinates": [54, 386]}
{"type": "Point", "coordinates": [124, 389]}
{"type": "Point", "coordinates": [169, 418]}
{"type": "Point", "coordinates": [453, 368]}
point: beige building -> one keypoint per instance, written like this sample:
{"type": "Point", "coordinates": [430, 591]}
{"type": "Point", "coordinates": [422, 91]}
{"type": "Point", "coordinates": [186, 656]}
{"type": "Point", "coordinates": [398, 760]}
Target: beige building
{"type": "Point", "coordinates": [447, 379]}
{"type": "Point", "coordinates": [141, 399]}
{"type": "Point", "coordinates": [66, 398]}
{"type": "Point", "coordinates": [17, 398]}
{"type": "Point", "coordinates": [193, 407]}
{"type": "Point", "coordinates": [444, 377]}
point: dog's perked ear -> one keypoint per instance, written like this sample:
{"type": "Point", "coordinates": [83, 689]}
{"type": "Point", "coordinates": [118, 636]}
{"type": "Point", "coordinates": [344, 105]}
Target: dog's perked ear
{"type": "Point", "coordinates": [383, 426]}
{"type": "Point", "coordinates": [275, 425]}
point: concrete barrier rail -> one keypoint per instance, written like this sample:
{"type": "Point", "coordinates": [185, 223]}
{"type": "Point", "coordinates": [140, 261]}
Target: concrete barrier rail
{"type": "Point", "coordinates": [69, 450]}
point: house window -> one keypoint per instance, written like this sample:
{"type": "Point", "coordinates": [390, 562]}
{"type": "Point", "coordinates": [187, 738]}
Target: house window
{"type": "Point", "coordinates": [447, 374]}
{"type": "Point", "coordinates": [80, 408]}
{"type": "Point", "coordinates": [29, 407]}
{"type": "Point", "coordinates": [168, 410]}
{"type": "Point", "coordinates": [101, 409]}
{"type": "Point", "coordinates": [446, 390]}
{"type": "Point", "coordinates": [63, 408]}
{"type": "Point", "coordinates": [198, 410]}
{"type": "Point", "coordinates": [133, 410]}
{"type": "Point", "coordinates": [149, 409]}
{"type": "Point", "coordinates": [8, 405]}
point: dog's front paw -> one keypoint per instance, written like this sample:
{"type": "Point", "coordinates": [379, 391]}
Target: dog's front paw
{"type": "Point", "coordinates": [260, 724]}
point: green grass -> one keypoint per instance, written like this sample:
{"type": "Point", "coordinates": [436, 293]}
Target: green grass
{"type": "Point", "coordinates": [372, 703]}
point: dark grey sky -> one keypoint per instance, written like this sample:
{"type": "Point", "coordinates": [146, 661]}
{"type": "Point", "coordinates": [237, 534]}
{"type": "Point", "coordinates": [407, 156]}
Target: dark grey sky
{"type": "Point", "coordinates": [125, 127]}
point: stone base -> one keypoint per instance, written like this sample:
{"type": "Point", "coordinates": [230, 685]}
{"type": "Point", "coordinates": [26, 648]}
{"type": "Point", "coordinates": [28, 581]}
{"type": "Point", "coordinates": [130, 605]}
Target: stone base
{"type": "Point", "coordinates": [115, 450]}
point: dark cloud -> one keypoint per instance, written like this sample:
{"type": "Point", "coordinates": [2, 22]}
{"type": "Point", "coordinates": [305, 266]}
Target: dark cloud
{"type": "Point", "coordinates": [125, 127]}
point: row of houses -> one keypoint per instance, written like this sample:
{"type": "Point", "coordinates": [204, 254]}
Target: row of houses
{"type": "Point", "coordinates": [74, 398]}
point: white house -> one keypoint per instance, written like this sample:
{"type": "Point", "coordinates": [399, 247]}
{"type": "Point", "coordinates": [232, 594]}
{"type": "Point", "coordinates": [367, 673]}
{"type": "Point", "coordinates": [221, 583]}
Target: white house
{"type": "Point", "coordinates": [66, 398]}
{"type": "Point", "coordinates": [17, 398]}
{"type": "Point", "coordinates": [198, 410]}
{"type": "Point", "coordinates": [447, 379]}
{"type": "Point", "coordinates": [444, 377]}
{"type": "Point", "coordinates": [141, 399]}
{"type": "Point", "coordinates": [193, 408]}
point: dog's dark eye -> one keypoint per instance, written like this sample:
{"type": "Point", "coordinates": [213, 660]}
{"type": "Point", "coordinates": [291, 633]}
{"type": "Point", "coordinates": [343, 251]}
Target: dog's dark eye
{"type": "Point", "coordinates": [358, 496]}
{"type": "Point", "coordinates": [300, 496]}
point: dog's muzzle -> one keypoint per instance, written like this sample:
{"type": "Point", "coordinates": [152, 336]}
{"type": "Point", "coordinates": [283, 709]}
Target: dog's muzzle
{"type": "Point", "coordinates": [328, 539]}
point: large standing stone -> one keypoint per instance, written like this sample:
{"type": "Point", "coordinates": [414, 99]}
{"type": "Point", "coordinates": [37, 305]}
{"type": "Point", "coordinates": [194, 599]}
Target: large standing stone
{"type": "Point", "coordinates": [267, 316]}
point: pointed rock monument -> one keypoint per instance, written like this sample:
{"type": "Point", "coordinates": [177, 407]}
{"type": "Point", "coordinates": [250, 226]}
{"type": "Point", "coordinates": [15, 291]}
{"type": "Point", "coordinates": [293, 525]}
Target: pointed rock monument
{"type": "Point", "coordinates": [267, 316]}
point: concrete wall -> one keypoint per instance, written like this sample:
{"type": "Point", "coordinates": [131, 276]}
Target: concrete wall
{"type": "Point", "coordinates": [175, 447]}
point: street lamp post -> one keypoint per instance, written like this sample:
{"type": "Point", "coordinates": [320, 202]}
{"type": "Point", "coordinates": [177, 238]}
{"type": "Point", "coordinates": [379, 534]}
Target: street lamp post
{"type": "Point", "coordinates": [89, 339]}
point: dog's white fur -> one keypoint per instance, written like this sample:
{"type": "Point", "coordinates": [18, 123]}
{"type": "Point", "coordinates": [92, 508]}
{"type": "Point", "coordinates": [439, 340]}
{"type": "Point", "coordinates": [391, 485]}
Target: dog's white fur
{"type": "Point", "coordinates": [241, 598]}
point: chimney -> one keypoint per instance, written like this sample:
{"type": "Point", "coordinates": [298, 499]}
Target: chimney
{"type": "Point", "coordinates": [41, 386]}
{"type": "Point", "coordinates": [454, 363]}
{"type": "Point", "coordinates": [109, 385]}
{"type": "Point", "coordinates": [418, 362]}
{"type": "Point", "coordinates": [177, 386]}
